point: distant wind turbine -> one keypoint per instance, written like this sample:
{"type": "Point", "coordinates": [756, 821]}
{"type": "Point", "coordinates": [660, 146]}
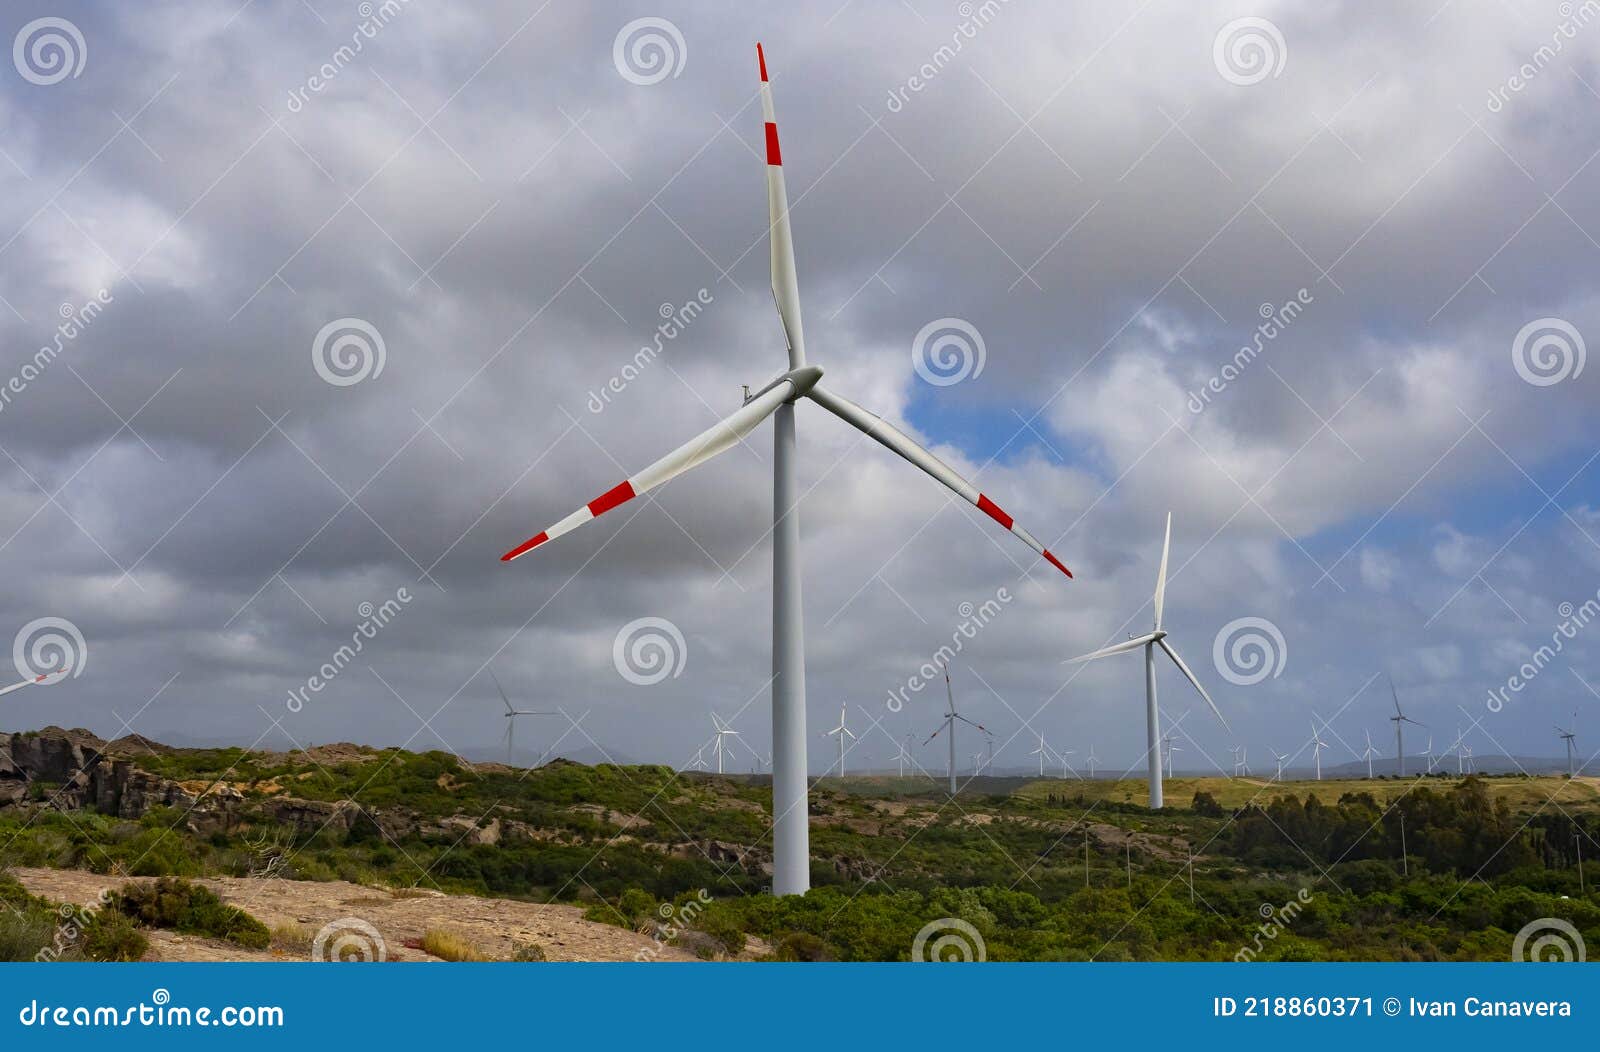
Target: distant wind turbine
{"type": "Point", "coordinates": [1172, 747]}
{"type": "Point", "coordinates": [699, 761]}
{"type": "Point", "coordinates": [949, 724]}
{"type": "Point", "coordinates": [511, 716]}
{"type": "Point", "coordinates": [1150, 641]}
{"type": "Point", "coordinates": [1065, 766]}
{"type": "Point", "coordinates": [1317, 745]}
{"type": "Point", "coordinates": [1280, 757]}
{"type": "Point", "coordinates": [1092, 762]}
{"type": "Point", "coordinates": [842, 731]}
{"type": "Point", "coordinates": [1041, 752]}
{"type": "Point", "coordinates": [723, 730]}
{"type": "Point", "coordinates": [1369, 753]}
{"type": "Point", "coordinates": [1399, 719]}
{"type": "Point", "coordinates": [902, 757]}
{"type": "Point", "coordinates": [1569, 736]}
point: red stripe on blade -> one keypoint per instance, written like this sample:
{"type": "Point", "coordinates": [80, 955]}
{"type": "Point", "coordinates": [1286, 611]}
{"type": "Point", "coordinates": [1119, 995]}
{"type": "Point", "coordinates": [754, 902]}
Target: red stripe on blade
{"type": "Point", "coordinates": [619, 494]}
{"type": "Point", "coordinates": [525, 547]}
{"type": "Point", "coordinates": [761, 56]}
{"type": "Point", "coordinates": [994, 511]}
{"type": "Point", "coordinates": [772, 145]}
{"type": "Point", "coordinates": [1056, 563]}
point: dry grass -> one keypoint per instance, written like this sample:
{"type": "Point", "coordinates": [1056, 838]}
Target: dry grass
{"type": "Point", "coordinates": [449, 947]}
{"type": "Point", "coordinates": [292, 938]}
{"type": "Point", "coordinates": [1522, 795]}
{"type": "Point", "coordinates": [411, 893]}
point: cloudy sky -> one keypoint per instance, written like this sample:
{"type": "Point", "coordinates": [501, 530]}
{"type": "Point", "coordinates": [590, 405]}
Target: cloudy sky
{"type": "Point", "coordinates": [511, 195]}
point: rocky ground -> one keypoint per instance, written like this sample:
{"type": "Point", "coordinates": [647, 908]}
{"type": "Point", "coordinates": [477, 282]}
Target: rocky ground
{"type": "Point", "coordinates": [491, 926]}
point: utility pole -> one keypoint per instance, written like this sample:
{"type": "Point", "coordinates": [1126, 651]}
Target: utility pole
{"type": "Point", "coordinates": [1086, 858]}
{"type": "Point", "coordinates": [1129, 846]}
{"type": "Point", "coordinates": [1577, 838]}
{"type": "Point", "coordinates": [1191, 878]}
{"type": "Point", "coordinates": [1405, 866]}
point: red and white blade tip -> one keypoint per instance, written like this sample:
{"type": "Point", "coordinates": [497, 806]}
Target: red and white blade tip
{"type": "Point", "coordinates": [761, 57]}
{"type": "Point", "coordinates": [998, 514]}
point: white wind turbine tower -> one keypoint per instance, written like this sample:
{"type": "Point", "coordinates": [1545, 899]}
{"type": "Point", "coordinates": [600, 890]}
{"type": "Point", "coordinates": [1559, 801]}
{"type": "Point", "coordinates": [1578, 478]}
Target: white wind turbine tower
{"type": "Point", "coordinates": [791, 834]}
{"type": "Point", "coordinates": [699, 761]}
{"type": "Point", "coordinates": [1369, 753]}
{"type": "Point", "coordinates": [511, 716]}
{"type": "Point", "coordinates": [1569, 736]}
{"type": "Point", "coordinates": [842, 731]}
{"type": "Point", "coordinates": [903, 757]}
{"type": "Point", "coordinates": [1065, 766]}
{"type": "Point", "coordinates": [1433, 761]}
{"type": "Point", "coordinates": [1150, 641]}
{"type": "Point", "coordinates": [1279, 757]}
{"type": "Point", "coordinates": [1092, 761]}
{"type": "Point", "coordinates": [950, 718]}
{"type": "Point", "coordinates": [1399, 719]}
{"type": "Point", "coordinates": [1317, 745]}
{"type": "Point", "coordinates": [723, 730]}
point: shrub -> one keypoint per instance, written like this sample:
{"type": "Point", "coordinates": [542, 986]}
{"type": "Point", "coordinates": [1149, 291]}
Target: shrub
{"type": "Point", "coordinates": [112, 936]}
{"type": "Point", "coordinates": [802, 946]}
{"type": "Point", "coordinates": [171, 902]}
{"type": "Point", "coordinates": [527, 951]}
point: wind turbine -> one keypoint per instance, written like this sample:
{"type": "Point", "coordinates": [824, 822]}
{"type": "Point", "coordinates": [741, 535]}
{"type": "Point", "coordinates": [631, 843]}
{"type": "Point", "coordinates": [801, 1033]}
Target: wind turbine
{"type": "Point", "coordinates": [950, 718]}
{"type": "Point", "coordinates": [1040, 752]}
{"type": "Point", "coordinates": [842, 731]}
{"type": "Point", "coordinates": [1280, 757]}
{"type": "Point", "coordinates": [1399, 719]}
{"type": "Point", "coordinates": [1317, 746]}
{"type": "Point", "coordinates": [511, 716]}
{"type": "Point", "coordinates": [1433, 761]}
{"type": "Point", "coordinates": [1172, 747]}
{"type": "Point", "coordinates": [1092, 762]}
{"type": "Point", "coordinates": [790, 834]}
{"type": "Point", "coordinates": [903, 757]}
{"type": "Point", "coordinates": [723, 730]}
{"type": "Point", "coordinates": [35, 681]}
{"type": "Point", "coordinates": [699, 761]}
{"type": "Point", "coordinates": [1238, 762]}
{"type": "Point", "coordinates": [1568, 737]}
{"type": "Point", "coordinates": [1150, 641]}
{"type": "Point", "coordinates": [1370, 752]}
{"type": "Point", "coordinates": [1065, 766]}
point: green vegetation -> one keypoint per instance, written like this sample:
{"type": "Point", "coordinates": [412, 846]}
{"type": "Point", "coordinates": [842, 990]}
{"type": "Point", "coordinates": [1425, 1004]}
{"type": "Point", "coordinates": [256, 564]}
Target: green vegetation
{"type": "Point", "coordinates": [1042, 870]}
{"type": "Point", "coordinates": [34, 929]}
{"type": "Point", "coordinates": [189, 908]}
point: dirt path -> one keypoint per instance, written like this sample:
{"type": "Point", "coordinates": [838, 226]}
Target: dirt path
{"type": "Point", "coordinates": [491, 926]}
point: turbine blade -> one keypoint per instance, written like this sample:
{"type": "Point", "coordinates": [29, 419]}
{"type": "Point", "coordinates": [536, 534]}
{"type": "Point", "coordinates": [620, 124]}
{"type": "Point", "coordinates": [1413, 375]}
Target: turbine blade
{"type": "Point", "coordinates": [502, 690]}
{"type": "Point", "coordinates": [969, 723]}
{"type": "Point", "coordinates": [36, 680]}
{"type": "Point", "coordinates": [1396, 695]}
{"type": "Point", "coordinates": [715, 439]}
{"type": "Point", "coordinates": [1161, 578]}
{"type": "Point", "coordinates": [1176, 660]}
{"type": "Point", "coordinates": [1115, 648]}
{"type": "Point", "coordinates": [892, 437]}
{"type": "Point", "coordinates": [785, 282]}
